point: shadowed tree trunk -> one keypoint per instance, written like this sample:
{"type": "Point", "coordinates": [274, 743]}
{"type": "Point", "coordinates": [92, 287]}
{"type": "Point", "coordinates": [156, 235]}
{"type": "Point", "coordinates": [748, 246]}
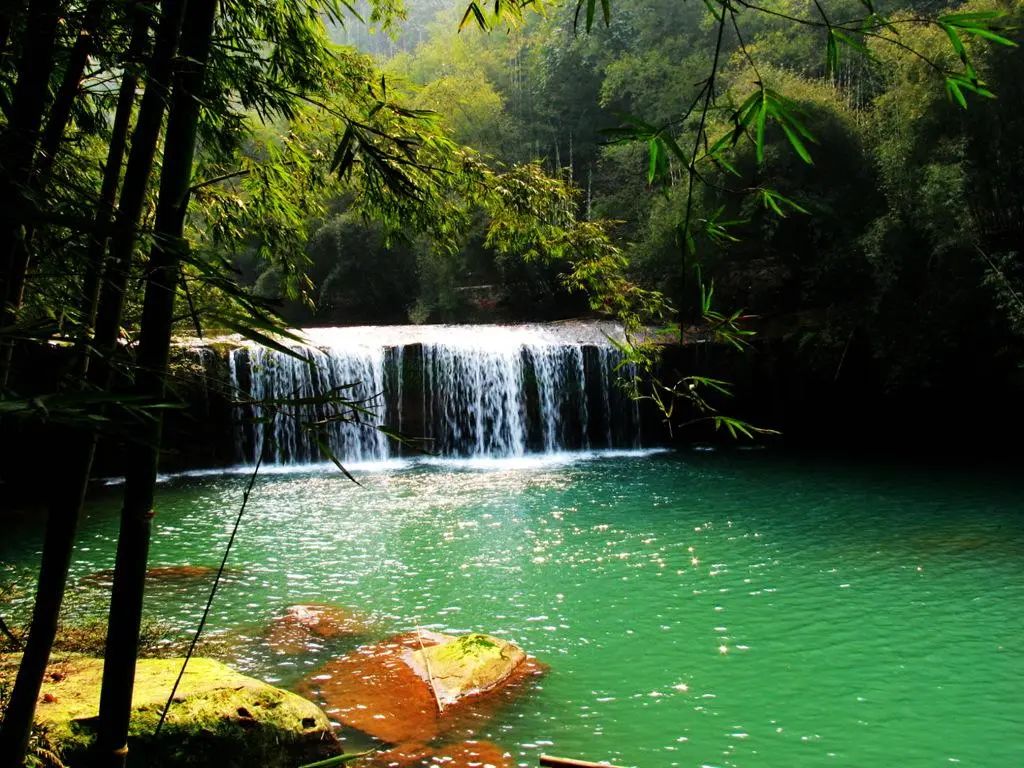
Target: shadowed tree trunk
{"type": "Point", "coordinates": [17, 146]}
{"type": "Point", "coordinates": [11, 9]}
{"type": "Point", "coordinates": [154, 347]}
{"type": "Point", "coordinates": [64, 99]}
{"type": "Point", "coordinates": [66, 504]}
{"type": "Point", "coordinates": [97, 245]}
{"type": "Point", "coordinates": [145, 139]}
{"type": "Point", "coordinates": [18, 143]}
{"type": "Point", "coordinates": [53, 573]}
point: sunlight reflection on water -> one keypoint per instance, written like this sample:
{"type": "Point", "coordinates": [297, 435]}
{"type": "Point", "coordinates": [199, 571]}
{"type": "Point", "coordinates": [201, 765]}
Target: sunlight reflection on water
{"type": "Point", "coordinates": [731, 610]}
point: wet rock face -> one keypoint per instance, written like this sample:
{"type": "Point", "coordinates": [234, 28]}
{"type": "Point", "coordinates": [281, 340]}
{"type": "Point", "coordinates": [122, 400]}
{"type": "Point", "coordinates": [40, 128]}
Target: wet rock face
{"type": "Point", "coordinates": [301, 625]}
{"type": "Point", "coordinates": [376, 690]}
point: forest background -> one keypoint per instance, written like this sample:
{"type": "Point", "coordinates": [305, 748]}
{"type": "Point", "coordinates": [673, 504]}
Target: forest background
{"type": "Point", "coordinates": [888, 292]}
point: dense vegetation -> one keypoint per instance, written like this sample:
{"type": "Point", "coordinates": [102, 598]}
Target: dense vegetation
{"type": "Point", "coordinates": [895, 252]}
{"type": "Point", "coordinates": [900, 247]}
{"type": "Point", "coordinates": [225, 164]}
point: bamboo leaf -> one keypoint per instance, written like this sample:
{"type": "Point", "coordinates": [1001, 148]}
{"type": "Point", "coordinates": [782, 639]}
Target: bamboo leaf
{"type": "Point", "coordinates": [953, 89]}
{"type": "Point", "coordinates": [762, 119]}
{"type": "Point", "coordinates": [473, 10]}
{"type": "Point", "coordinates": [345, 153]}
{"type": "Point", "coordinates": [714, 9]}
{"type": "Point", "coordinates": [778, 203]}
{"type": "Point", "coordinates": [852, 42]}
{"type": "Point", "coordinates": [247, 331]}
{"type": "Point", "coordinates": [769, 202]}
{"type": "Point", "coordinates": [797, 143]}
{"type": "Point", "coordinates": [746, 111]}
{"type": "Point", "coordinates": [652, 164]}
{"type": "Point", "coordinates": [333, 762]}
{"type": "Point", "coordinates": [975, 87]}
{"type": "Point", "coordinates": [961, 18]}
{"type": "Point", "coordinates": [987, 34]}
{"type": "Point", "coordinates": [326, 451]}
{"type": "Point", "coordinates": [721, 143]}
{"type": "Point", "coordinates": [673, 147]}
{"type": "Point", "coordinates": [726, 165]}
{"type": "Point", "coordinates": [954, 38]}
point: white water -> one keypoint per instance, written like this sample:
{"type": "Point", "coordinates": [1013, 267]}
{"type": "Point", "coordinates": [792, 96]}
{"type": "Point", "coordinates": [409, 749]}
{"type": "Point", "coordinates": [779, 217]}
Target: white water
{"type": "Point", "coordinates": [485, 392]}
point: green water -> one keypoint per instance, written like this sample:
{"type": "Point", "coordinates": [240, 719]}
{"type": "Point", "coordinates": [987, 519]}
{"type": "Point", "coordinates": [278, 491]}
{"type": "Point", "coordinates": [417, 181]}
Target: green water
{"type": "Point", "coordinates": [695, 609]}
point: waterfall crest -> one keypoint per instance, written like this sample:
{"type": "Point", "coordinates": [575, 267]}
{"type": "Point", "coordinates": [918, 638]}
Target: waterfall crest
{"type": "Point", "coordinates": [473, 391]}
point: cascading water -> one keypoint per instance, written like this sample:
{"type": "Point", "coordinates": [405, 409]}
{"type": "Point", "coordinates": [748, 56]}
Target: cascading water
{"type": "Point", "coordinates": [478, 391]}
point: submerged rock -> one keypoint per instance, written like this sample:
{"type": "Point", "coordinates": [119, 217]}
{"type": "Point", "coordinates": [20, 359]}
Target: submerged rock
{"type": "Point", "coordinates": [385, 690]}
{"type": "Point", "coordinates": [299, 625]}
{"type": "Point", "coordinates": [219, 716]}
{"type": "Point", "coordinates": [179, 572]}
{"type": "Point", "coordinates": [464, 754]}
{"type": "Point", "coordinates": [165, 574]}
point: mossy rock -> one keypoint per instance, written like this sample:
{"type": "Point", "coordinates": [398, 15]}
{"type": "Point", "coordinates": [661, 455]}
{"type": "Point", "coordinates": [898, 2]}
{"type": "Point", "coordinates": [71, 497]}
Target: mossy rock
{"type": "Point", "coordinates": [386, 691]}
{"type": "Point", "coordinates": [466, 665]}
{"type": "Point", "coordinates": [220, 717]}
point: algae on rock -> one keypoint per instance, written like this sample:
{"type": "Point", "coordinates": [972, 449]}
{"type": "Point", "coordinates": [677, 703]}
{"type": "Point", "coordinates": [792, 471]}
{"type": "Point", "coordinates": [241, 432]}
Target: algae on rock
{"type": "Point", "coordinates": [219, 716]}
{"type": "Point", "coordinates": [465, 665]}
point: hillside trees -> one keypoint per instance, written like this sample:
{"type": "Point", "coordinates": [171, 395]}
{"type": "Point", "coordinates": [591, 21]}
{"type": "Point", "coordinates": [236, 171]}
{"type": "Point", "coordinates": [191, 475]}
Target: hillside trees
{"type": "Point", "coordinates": [831, 167]}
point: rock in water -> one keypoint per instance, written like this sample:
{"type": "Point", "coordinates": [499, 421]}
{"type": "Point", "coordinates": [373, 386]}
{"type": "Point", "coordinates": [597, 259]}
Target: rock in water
{"type": "Point", "coordinates": [219, 716]}
{"type": "Point", "coordinates": [301, 625]}
{"type": "Point", "coordinates": [465, 754]}
{"type": "Point", "coordinates": [464, 666]}
{"type": "Point", "coordinates": [164, 576]}
{"type": "Point", "coordinates": [375, 689]}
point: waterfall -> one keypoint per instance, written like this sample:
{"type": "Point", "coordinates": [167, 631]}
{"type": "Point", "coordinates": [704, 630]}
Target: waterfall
{"type": "Point", "coordinates": [478, 391]}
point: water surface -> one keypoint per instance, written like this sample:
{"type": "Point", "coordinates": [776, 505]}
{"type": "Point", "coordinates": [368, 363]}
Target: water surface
{"type": "Point", "coordinates": [695, 609]}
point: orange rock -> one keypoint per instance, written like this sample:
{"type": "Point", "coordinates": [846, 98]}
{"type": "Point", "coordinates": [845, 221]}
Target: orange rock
{"type": "Point", "coordinates": [374, 690]}
{"type": "Point", "coordinates": [301, 624]}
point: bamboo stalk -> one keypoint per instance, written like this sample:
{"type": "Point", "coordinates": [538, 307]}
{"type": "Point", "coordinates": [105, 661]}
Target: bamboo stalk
{"type": "Point", "coordinates": [156, 325]}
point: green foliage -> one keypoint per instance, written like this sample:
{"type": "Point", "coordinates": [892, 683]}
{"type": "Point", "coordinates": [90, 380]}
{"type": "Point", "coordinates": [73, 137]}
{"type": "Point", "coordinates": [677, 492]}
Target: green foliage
{"type": "Point", "coordinates": [468, 176]}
